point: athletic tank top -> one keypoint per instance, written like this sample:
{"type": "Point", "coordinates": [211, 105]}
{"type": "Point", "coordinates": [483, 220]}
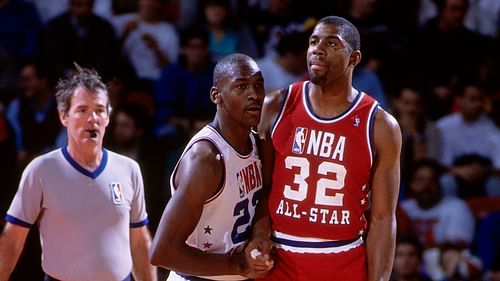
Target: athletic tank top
{"type": "Point", "coordinates": [321, 171]}
{"type": "Point", "coordinates": [226, 219]}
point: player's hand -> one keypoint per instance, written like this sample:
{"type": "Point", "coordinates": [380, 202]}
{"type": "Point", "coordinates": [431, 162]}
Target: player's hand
{"type": "Point", "coordinates": [258, 257]}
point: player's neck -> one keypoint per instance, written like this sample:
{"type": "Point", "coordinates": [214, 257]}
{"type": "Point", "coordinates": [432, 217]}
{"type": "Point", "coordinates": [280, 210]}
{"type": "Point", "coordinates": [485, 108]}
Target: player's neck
{"type": "Point", "coordinates": [235, 135]}
{"type": "Point", "coordinates": [330, 101]}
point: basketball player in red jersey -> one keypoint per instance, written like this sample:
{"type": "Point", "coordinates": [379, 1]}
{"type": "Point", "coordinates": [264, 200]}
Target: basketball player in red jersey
{"type": "Point", "coordinates": [330, 153]}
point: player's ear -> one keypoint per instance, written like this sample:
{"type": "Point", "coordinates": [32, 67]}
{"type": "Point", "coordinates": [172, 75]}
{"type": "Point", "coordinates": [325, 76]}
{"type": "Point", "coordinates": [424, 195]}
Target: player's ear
{"type": "Point", "coordinates": [355, 58]}
{"type": "Point", "coordinates": [215, 95]}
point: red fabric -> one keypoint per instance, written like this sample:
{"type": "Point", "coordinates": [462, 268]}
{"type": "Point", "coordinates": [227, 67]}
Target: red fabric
{"type": "Point", "coordinates": [342, 179]}
{"type": "Point", "coordinates": [346, 266]}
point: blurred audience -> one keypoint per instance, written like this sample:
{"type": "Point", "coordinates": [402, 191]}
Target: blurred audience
{"type": "Point", "coordinates": [449, 57]}
{"type": "Point", "coordinates": [182, 102]}
{"type": "Point", "coordinates": [469, 131]}
{"type": "Point", "coordinates": [226, 36]}
{"type": "Point", "coordinates": [33, 115]}
{"type": "Point", "coordinates": [436, 219]}
{"type": "Point", "coordinates": [20, 39]}
{"type": "Point", "coordinates": [289, 64]}
{"type": "Point", "coordinates": [408, 260]}
{"type": "Point", "coordinates": [267, 23]}
{"type": "Point", "coordinates": [478, 181]}
{"type": "Point", "coordinates": [80, 36]}
{"type": "Point", "coordinates": [488, 243]}
{"type": "Point", "coordinates": [420, 135]}
{"type": "Point", "coordinates": [452, 262]}
{"type": "Point", "coordinates": [148, 41]}
{"type": "Point", "coordinates": [445, 226]}
{"type": "Point", "coordinates": [20, 28]}
{"type": "Point", "coordinates": [8, 169]}
{"type": "Point", "coordinates": [367, 80]}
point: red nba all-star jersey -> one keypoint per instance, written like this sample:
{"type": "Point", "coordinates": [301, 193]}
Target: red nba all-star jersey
{"type": "Point", "coordinates": [321, 174]}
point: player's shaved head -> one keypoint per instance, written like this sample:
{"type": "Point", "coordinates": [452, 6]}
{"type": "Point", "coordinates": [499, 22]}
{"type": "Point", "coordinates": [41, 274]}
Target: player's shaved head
{"type": "Point", "coordinates": [230, 65]}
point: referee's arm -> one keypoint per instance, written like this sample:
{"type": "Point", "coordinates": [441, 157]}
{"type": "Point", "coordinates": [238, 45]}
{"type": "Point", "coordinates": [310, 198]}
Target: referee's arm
{"type": "Point", "coordinates": [12, 241]}
{"type": "Point", "coordinates": [140, 242]}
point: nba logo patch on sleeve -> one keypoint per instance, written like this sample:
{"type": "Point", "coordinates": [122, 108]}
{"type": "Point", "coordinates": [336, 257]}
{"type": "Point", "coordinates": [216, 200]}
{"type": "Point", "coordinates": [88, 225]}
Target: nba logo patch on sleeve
{"type": "Point", "coordinates": [299, 140]}
{"type": "Point", "coordinates": [116, 193]}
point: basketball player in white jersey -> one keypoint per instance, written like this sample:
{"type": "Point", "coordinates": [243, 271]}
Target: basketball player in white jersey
{"type": "Point", "coordinates": [216, 186]}
{"type": "Point", "coordinates": [88, 202]}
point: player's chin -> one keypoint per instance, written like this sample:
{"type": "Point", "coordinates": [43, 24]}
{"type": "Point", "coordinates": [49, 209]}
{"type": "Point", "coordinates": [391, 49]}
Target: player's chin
{"type": "Point", "coordinates": [252, 118]}
{"type": "Point", "coordinates": [317, 79]}
{"type": "Point", "coordinates": [253, 122]}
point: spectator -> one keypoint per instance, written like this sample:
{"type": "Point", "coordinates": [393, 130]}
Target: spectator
{"type": "Point", "coordinates": [478, 183]}
{"type": "Point", "coordinates": [460, 132]}
{"type": "Point", "coordinates": [445, 225]}
{"type": "Point", "coordinates": [364, 15]}
{"type": "Point", "coordinates": [34, 115]}
{"type": "Point", "coordinates": [408, 260]}
{"type": "Point", "coordinates": [181, 94]}
{"type": "Point", "coordinates": [367, 80]}
{"type": "Point", "coordinates": [129, 128]}
{"type": "Point", "coordinates": [289, 65]}
{"type": "Point", "coordinates": [269, 21]}
{"type": "Point", "coordinates": [20, 28]}
{"type": "Point", "coordinates": [451, 262]}
{"type": "Point", "coordinates": [225, 36]}
{"type": "Point", "coordinates": [79, 36]}
{"type": "Point", "coordinates": [452, 44]}
{"type": "Point", "coordinates": [436, 219]}
{"type": "Point", "coordinates": [420, 135]}
{"type": "Point", "coordinates": [148, 41]}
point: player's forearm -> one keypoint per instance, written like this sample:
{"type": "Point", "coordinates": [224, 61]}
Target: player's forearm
{"type": "Point", "coordinates": [381, 247]}
{"type": "Point", "coordinates": [192, 261]}
{"type": "Point", "coordinates": [262, 222]}
{"type": "Point", "coordinates": [261, 228]}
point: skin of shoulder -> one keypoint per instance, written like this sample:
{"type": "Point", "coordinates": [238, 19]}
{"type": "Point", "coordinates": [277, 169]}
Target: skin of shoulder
{"type": "Point", "coordinates": [201, 159]}
{"type": "Point", "coordinates": [272, 105]}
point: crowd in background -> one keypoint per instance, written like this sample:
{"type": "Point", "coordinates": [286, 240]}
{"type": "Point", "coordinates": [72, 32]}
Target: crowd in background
{"type": "Point", "coordinates": [434, 64]}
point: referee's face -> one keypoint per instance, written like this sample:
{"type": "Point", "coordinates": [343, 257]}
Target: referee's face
{"type": "Point", "coordinates": [87, 118]}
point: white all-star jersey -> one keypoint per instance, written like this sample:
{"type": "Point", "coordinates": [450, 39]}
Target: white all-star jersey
{"type": "Point", "coordinates": [226, 219]}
